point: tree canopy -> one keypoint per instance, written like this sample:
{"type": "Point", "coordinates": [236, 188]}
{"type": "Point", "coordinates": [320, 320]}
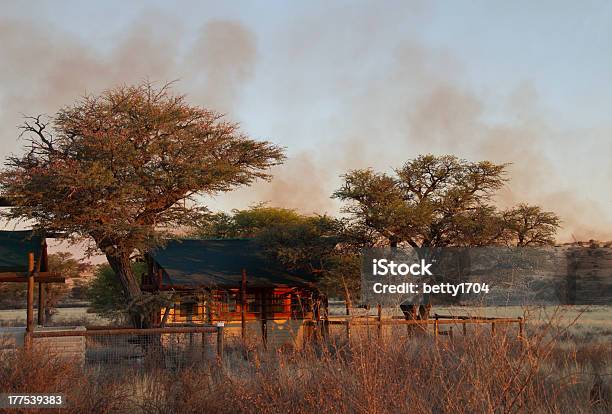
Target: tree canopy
{"type": "Point", "coordinates": [437, 201]}
{"type": "Point", "coordinates": [320, 244]}
{"type": "Point", "coordinates": [121, 166]}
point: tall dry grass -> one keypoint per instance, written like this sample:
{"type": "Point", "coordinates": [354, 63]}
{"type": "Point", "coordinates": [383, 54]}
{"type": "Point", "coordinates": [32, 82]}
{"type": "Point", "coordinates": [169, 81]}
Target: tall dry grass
{"type": "Point", "coordinates": [479, 373]}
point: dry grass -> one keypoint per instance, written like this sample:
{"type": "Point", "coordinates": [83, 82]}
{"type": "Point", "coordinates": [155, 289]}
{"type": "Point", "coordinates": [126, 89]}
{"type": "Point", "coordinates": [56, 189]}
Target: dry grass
{"type": "Point", "coordinates": [548, 373]}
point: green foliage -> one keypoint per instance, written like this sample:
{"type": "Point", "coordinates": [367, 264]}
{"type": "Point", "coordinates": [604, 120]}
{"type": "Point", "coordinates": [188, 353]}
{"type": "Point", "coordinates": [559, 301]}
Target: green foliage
{"type": "Point", "coordinates": [322, 245]}
{"type": "Point", "coordinates": [106, 295]}
{"type": "Point", "coordinates": [435, 201]}
{"type": "Point", "coordinates": [530, 226]}
{"type": "Point", "coordinates": [246, 223]}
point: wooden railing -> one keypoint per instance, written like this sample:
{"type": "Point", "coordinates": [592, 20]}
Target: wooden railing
{"type": "Point", "coordinates": [436, 322]}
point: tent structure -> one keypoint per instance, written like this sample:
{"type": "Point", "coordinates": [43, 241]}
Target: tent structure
{"type": "Point", "coordinates": [235, 278]}
{"type": "Point", "coordinates": [186, 264]}
{"type": "Point", "coordinates": [24, 259]}
{"type": "Point", "coordinates": [14, 249]}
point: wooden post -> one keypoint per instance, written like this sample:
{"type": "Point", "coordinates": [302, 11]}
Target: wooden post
{"type": "Point", "coordinates": [450, 332]}
{"type": "Point", "coordinates": [264, 316]}
{"type": "Point", "coordinates": [43, 265]}
{"type": "Point", "coordinates": [521, 328]}
{"type": "Point", "coordinates": [436, 328]}
{"type": "Point", "coordinates": [348, 330]}
{"type": "Point", "coordinates": [243, 304]}
{"type": "Point", "coordinates": [326, 317]}
{"type": "Point", "coordinates": [204, 345]}
{"type": "Point", "coordinates": [41, 303]}
{"type": "Point", "coordinates": [379, 319]}
{"type": "Point", "coordinates": [219, 341]}
{"type": "Point", "coordinates": [492, 328]}
{"type": "Point", "coordinates": [30, 302]}
{"type": "Point", "coordinates": [324, 329]}
{"type": "Point", "coordinates": [464, 329]}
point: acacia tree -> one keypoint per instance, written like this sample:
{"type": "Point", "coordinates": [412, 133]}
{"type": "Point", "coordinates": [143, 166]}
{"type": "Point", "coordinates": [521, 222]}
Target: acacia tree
{"type": "Point", "coordinates": [120, 167]}
{"type": "Point", "coordinates": [439, 201]}
{"type": "Point", "coordinates": [527, 225]}
{"type": "Point", "coordinates": [430, 202]}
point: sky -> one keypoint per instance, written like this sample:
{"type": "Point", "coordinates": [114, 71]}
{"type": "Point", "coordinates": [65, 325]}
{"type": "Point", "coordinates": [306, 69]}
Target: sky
{"type": "Point", "coordinates": [349, 84]}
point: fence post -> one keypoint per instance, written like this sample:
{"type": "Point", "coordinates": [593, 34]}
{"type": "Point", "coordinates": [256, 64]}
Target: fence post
{"type": "Point", "coordinates": [348, 330]}
{"type": "Point", "coordinates": [436, 328]}
{"type": "Point", "coordinates": [263, 297]}
{"type": "Point", "coordinates": [41, 303]}
{"type": "Point", "coordinates": [379, 319]}
{"type": "Point", "coordinates": [492, 328]}
{"type": "Point", "coordinates": [43, 265]}
{"type": "Point", "coordinates": [324, 329]}
{"type": "Point", "coordinates": [243, 304]}
{"type": "Point", "coordinates": [464, 329]}
{"type": "Point", "coordinates": [30, 303]}
{"type": "Point", "coordinates": [220, 326]}
{"type": "Point", "coordinates": [521, 328]}
{"type": "Point", "coordinates": [204, 345]}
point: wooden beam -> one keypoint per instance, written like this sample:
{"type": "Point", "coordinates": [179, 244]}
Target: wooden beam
{"type": "Point", "coordinates": [127, 331]}
{"type": "Point", "coordinates": [43, 277]}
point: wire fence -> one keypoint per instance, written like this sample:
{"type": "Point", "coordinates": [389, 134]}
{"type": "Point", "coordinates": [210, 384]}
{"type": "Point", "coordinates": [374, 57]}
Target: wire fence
{"type": "Point", "coordinates": [175, 348]}
{"type": "Point", "coordinates": [166, 348]}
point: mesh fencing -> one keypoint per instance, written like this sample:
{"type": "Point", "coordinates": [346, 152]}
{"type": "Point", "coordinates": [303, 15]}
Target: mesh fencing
{"type": "Point", "coordinates": [117, 351]}
{"type": "Point", "coordinates": [172, 350]}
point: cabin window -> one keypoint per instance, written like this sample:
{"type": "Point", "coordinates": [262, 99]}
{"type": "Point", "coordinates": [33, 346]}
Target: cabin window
{"type": "Point", "coordinates": [188, 309]}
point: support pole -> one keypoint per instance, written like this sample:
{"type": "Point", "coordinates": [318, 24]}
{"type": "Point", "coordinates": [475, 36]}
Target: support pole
{"type": "Point", "coordinates": [521, 323]}
{"type": "Point", "coordinates": [326, 318]}
{"type": "Point", "coordinates": [41, 303]}
{"type": "Point", "coordinates": [436, 328]}
{"type": "Point", "coordinates": [492, 328]}
{"type": "Point", "coordinates": [43, 265]}
{"type": "Point", "coordinates": [243, 304]}
{"type": "Point", "coordinates": [30, 302]}
{"type": "Point", "coordinates": [379, 319]}
{"type": "Point", "coordinates": [348, 331]}
{"type": "Point", "coordinates": [220, 326]}
{"type": "Point", "coordinates": [264, 316]}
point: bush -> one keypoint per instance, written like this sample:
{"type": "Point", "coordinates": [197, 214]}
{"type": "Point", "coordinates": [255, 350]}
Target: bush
{"type": "Point", "coordinates": [105, 293]}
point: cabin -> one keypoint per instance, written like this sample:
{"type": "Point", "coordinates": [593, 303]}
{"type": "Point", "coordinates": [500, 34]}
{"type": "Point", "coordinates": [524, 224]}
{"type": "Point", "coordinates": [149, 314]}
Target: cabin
{"type": "Point", "coordinates": [228, 280]}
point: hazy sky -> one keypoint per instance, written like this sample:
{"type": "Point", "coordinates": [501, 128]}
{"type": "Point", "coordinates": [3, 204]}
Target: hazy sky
{"type": "Point", "coordinates": [350, 84]}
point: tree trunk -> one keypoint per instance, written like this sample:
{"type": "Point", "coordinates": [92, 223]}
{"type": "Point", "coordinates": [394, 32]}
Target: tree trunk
{"type": "Point", "coordinates": [122, 267]}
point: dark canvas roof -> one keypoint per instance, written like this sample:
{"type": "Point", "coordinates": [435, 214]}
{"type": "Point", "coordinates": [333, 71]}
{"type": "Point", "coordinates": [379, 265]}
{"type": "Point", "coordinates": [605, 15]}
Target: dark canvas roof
{"type": "Point", "coordinates": [220, 263]}
{"type": "Point", "coordinates": [14, 249]}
